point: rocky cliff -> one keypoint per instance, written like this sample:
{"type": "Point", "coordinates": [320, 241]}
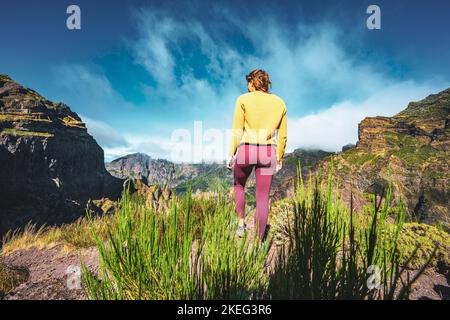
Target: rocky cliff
{"type": "Point", "coordinates": [410, 150]}
{"type": "Point", "coordinates": [49, 165]}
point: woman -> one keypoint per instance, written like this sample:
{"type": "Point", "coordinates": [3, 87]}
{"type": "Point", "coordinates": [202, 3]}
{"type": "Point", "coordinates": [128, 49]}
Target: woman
{"type": "Point", "coordinates": [258, 141]}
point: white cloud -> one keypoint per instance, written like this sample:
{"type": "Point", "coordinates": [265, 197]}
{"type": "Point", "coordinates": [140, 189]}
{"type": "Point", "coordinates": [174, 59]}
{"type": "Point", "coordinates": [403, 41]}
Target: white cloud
{"type": "Point", "coordinates": [184, 145]}
{"type": "Point", "coordinates": [116, 144]}
{"type": "Point", "coordinates": [152, 49]}
{"type": "Point", "coordinates": [207, 146]}
{"type": "Point", "coordinates": [337, 126]}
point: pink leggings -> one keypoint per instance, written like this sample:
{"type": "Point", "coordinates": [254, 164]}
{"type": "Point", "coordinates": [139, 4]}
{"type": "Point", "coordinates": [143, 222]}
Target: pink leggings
{"type": "Point", "coordinates": [263, 158]}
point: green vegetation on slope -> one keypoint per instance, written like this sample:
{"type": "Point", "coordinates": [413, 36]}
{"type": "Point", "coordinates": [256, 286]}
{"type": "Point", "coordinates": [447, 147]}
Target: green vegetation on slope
{"type": "Point", "coordinates": [425, 238]}
{"type": "Point", "coordinates": [357, 157]}
{"type": "Point", "coordinates": [207, 180]}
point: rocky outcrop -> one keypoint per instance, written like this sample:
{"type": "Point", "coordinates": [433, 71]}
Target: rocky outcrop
{"type": "Point", "coordinates": [154, 195]}
{"type": "Point", "coordinates": [409, 150]}
{"type": "Point", "coordinates": [49, 165]}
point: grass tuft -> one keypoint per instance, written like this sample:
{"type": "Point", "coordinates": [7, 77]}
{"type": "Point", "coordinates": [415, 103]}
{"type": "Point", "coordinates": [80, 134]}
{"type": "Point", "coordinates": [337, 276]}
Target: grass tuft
{"type": "Point", "coordinates": [20, 133]}
{"type": "Point", "coordinates": [74, 236]}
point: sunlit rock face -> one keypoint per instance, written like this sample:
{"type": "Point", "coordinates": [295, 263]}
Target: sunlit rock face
{"type": "Point", "coordinates": [410, 150]}
{"type": "Point", "coordinates": [49, 165]}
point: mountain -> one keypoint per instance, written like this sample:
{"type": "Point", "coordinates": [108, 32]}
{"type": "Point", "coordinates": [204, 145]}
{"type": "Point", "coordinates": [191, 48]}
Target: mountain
{"type": "Point", "coordinates": [202, 177]}
{"type": "Point", "coordinates": [139, 165]}
{"type": "Point", "coordinates": [49, 165]}
{"type": "Point", "coordinates": [410, 150]}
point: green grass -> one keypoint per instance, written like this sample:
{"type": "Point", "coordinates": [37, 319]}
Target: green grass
{"type": "Point", "coordinates": [15, 117]}
{"type": "Point", "coordinates": [358, 157]}
{"type": "Point", "coordinates": [23, 133]}
{"type": "Point", "coordinates": [72, 122]}
{"type": "Point", "coordinates": [73, 236]}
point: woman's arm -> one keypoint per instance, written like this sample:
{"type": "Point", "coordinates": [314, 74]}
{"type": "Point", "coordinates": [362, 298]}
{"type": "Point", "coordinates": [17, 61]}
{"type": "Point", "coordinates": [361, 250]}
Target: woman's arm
{"type": "Point", "coordinates": [282, 136]}
{"type": "Point", "coordinates": [238, 127]}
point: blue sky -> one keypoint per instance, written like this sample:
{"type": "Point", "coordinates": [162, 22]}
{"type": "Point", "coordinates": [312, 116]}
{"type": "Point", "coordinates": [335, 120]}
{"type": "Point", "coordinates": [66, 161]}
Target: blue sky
{"type": "Point", "coordinates": [138, 71]}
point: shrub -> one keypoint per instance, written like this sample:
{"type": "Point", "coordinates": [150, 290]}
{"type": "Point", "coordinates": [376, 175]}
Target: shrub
{"type": "Point", "coordinates": [426, 238]}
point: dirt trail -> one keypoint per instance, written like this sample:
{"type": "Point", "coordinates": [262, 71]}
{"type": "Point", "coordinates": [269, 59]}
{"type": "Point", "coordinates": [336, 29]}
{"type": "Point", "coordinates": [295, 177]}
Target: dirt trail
{"type": "Point", "coordinates": [53, 273]}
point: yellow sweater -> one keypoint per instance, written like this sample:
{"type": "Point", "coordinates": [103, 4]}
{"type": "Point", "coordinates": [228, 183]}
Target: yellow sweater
{"type": "Point", "coordinates": [259, 118]}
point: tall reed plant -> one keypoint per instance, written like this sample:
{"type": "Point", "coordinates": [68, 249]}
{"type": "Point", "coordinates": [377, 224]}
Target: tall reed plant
{"type": "Point", "coordinates": [170, 255]}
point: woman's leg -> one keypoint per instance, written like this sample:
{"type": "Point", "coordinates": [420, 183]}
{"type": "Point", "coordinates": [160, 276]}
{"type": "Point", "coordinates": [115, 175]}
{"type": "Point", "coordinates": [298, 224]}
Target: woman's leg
{"type": "Point", "coordinates": [241, 174]}
{"type": "Point", "coordinates": [263, 184]}
{"type": "Point", "coordinates": [265, 170]}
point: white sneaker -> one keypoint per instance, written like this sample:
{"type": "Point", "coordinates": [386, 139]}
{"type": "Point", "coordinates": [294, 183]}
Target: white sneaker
{"type": "Point", "coordinates": [240, 231]}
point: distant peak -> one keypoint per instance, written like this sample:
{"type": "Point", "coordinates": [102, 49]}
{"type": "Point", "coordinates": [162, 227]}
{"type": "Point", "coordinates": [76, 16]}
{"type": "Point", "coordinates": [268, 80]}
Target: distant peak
{"type": "Point", "coordinates": [137, 155]}
{"type": "Point", "coordinates": [308, 150]}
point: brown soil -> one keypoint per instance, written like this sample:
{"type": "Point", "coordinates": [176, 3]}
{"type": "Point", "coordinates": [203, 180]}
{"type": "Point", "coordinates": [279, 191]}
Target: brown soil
{"type": "Point", "coordinates": [431, 286]}
{"type": "Point", "coordinates": [49, 272]}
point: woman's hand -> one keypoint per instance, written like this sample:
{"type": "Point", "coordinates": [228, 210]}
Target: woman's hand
{"type": "Point", "coordinates": [230, 162]}
{"type": "Point", "coordinates": [279, 165]}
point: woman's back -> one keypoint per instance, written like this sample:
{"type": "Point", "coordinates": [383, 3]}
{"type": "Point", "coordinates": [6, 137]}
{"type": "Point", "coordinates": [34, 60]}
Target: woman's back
{"type": "Point", "coordinates": [262, 110]}
{"type": "Point", "coordinates": [259, 118]}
